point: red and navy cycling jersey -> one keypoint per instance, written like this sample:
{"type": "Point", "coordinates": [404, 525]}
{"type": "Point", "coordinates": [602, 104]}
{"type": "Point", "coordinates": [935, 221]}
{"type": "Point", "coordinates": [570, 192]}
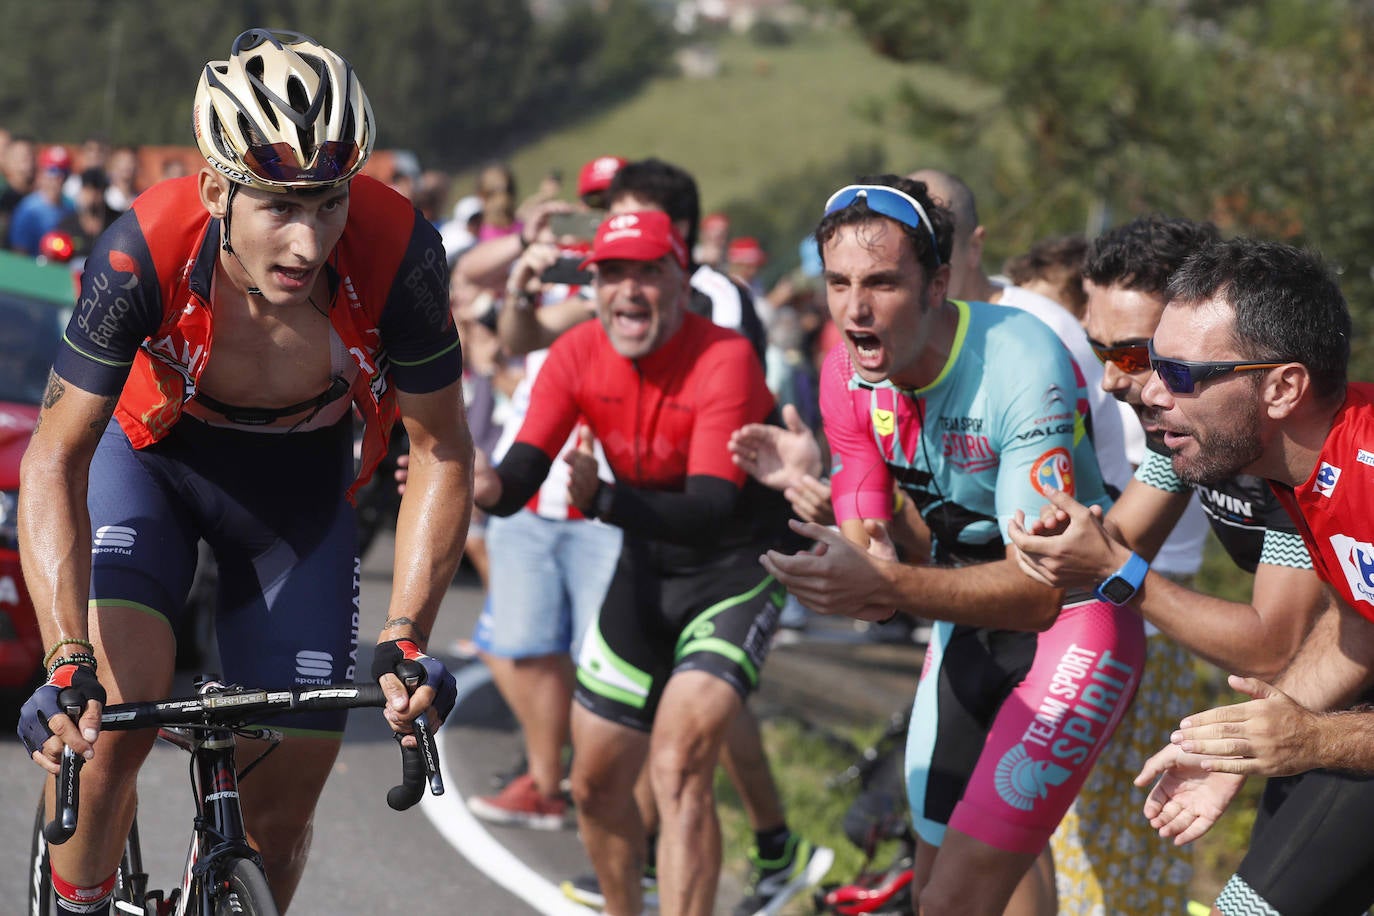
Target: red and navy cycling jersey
{"type": "Point", "coordinates": [663, 420]}
{"type": "Point", "coordinates": [143, 326]}
{"type": "Point", "coordinates": [1334, 507]}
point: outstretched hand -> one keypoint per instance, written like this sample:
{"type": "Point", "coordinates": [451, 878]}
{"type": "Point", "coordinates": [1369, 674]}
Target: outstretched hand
{"type": "Point", "coordinates": [777, 458]}
{"type": "Point", "coordinates": [1186, 800]}
{"type": "Point", "coordinates": [1270, 735]}
{"type": "Point", "coordinates": [835, 576]}
{"type": "Point", "coordinates": [1067, 546]}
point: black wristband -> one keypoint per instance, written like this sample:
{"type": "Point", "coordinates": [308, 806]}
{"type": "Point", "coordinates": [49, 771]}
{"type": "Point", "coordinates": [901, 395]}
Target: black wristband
{"type": "Point", "coordinates": [601, 502]}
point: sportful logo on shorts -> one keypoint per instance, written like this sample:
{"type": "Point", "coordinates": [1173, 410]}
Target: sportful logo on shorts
{"type": "Point", "coordinates": [1357, 562]}
{"type": "Point", "coordinates": [1326, 479]}
{"type": "Point", "coordinates": [312, 664]}
{"type": "Point", "coordinates": [113, 539]}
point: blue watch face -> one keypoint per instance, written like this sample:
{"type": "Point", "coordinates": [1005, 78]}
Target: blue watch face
{"type": "Point", "coordinates": [1117, 590]}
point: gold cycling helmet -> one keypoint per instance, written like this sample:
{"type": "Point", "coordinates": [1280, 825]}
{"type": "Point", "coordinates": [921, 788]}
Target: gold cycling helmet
{"type": "Point", "coordinates": [282, 113]}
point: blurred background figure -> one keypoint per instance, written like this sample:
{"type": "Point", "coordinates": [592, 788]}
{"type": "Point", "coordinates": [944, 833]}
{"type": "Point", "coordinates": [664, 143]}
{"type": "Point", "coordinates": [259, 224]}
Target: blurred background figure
{"type": "Point", "coordinates": [714, 235]}
{"type": "Point", "coordinates": [172, 167]}
{"type": "Point", "coordinates": [460, 231]}
{"type": "Point", "coordinates": [45, 206]}
{"type": "Point", "coordinates": [431, 195]}
{"type": "Point", "coordinates": [122, 170]}
{"type": "Point", "coordinates": [405, 173]}
{"type": "Point", "coordinates": [93, 153]}
{"type": "Point", "coordinates": [18, 167]}
{"type": "Point", "coordinates": [496, 190]}
{"type": "Point", "coordinates": [91, 216]}
{"type": "Point", "coordinates": [744, 259]}
{"type": "Point", "coordinates": [594, 178]}
{"type": "Point", "coordinates": [1053, 267]}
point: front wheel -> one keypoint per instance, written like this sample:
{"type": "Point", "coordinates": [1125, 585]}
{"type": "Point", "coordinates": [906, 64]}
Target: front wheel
{"type": "Point", "coordinates": [244, 892]}
{"type": "Point", "coordinates": [130, 881]}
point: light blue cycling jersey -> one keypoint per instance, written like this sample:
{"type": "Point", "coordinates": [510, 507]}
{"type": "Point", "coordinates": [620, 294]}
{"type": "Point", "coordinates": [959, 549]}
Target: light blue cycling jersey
{"type": "Point", "coordinates": [1004, 420]}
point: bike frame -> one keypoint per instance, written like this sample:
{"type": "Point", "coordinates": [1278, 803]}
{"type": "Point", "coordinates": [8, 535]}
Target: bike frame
{"type": "Point", "coordinates": [220, 834]}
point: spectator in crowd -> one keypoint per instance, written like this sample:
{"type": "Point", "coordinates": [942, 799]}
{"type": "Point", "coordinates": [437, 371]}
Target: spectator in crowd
{"type": "Point", "coordinates": [45, 206]}
{"type": "Point", "coordinates": [1053, 267]}
{"type": "Point", "coordinates": [712, 241]}
{"type": "Point", "coordinates": [460, 230]}
{"type": "Point", "coordinates": [92, 215]}
{"type": "Point", "coordinates": [431, 195]}
{"type": "Point", "coordinates": [594, 178]}
{"type": "Point", "coordinates": [405, 173]}
{"type": "Point", "coordinates": [744, 259]}
{"type": "Point", "coordinates": [496, 189]}
{"type": "Point", "coordinates": [123, 173]}
{"type": "Point", "coordinates": [93, 153]}
{"type": "Point", "coordinates": [172, 167]}
{"type": "Point", "coordinates": [18, 168]}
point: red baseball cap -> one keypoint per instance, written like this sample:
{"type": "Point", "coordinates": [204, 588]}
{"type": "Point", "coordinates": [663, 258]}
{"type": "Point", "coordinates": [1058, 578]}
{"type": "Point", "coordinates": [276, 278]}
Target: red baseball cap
{"type": "Point", "coordinates": [644, 236]}
{"type": "Point", "coordinates": [55, 158]}
{"type": "Point", "coordinates": [596, 175]}
{"type": "Point", "coordinates": [745, 250]}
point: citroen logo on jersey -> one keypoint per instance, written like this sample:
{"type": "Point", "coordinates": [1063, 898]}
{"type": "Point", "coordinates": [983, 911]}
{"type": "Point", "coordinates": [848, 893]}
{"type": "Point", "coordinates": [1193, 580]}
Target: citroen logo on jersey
{"type": "Point", "coordinates": [1326, 479]}
{"type": "Point", "coordinates": [1022, 780]}
{"type": "Point", "coordinates": [884, 421]}
{"type": "Point", "coordinates": [1357, 562]}
{"type": "Point", "coordinates": [1054, 396]}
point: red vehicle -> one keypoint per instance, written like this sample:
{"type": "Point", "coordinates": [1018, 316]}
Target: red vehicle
{"type": "Point", "coordinates": [35, 303]}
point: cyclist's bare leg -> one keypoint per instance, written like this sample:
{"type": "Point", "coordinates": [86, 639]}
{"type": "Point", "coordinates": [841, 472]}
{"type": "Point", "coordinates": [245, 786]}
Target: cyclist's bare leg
{"type": "Point", "coordinates": [922, 863]}
{"type": "Point", "coordinates": [539, 692]}
{"type": "Point", "coordinates": [689, 728]}
{"type": "Point", "coordinates": [279, 799]}
{"type": "Point", "coordinates": [136, 652]}
{"type": "Point", "coordinates": [971, 878]}
{"type": "Point", "coordinates": [1036, 894]}
{"type": "Point", "coordinates": [607, 757]}
{"type": "Point", "coordinates": [746, 762]}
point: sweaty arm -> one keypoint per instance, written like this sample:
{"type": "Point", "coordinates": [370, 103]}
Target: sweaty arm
{"type": "Point", "coordinates": [432, 525]}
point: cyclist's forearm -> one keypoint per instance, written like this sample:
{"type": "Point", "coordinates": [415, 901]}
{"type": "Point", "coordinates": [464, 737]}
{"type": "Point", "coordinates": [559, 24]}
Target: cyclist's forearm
{"type": "Point", "coordinates": [431, 529]}
{"type": "Point", "coordinates": [55, 543]}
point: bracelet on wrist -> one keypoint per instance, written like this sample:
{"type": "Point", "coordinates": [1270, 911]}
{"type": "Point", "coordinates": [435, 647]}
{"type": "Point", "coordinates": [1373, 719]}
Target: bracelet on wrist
{"type": "Point", "coordinates": [67, 641]}
{"type": "Point", "coordinates": [76, 658]}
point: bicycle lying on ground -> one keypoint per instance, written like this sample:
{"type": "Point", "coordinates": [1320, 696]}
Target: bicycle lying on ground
{"type": "Point", "coordinates": [223, 874]}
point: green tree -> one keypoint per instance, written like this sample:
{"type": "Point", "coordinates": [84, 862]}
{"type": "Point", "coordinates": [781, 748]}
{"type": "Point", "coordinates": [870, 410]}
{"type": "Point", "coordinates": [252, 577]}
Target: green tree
{"type": "Point", "coordinates": [1255, 115]}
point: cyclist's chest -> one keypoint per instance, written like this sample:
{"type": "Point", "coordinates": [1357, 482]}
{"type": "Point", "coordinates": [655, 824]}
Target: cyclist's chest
{"type": "Point", "coordinates": [267, 356]}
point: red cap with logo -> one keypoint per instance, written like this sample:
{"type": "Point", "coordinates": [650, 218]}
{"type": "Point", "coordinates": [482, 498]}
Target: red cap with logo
{"type": "Point", "coordinates": [637, 237]}
{"type": "Point", "coordinates": [745, 250]}
{"type": "Point", "coordinates": [56, 159]}
{"type": "Point", "coordinates": [596, 175]}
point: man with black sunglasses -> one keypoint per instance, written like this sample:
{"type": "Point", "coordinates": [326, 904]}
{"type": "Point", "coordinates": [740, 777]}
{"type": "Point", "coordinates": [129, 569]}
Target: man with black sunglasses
{"type": "Point", "coordinates": [1128, 272]}
{"type": "Point", "coordinates": [231, 322]}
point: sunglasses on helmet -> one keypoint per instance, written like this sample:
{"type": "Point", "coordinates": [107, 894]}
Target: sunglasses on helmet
{"type": "Point", "coordinates": [1183, 377]}
{"type": "Point", "coordinates": [890, 202]}
{"type": "Point", "coordinates": [276, 162]}
{"type": "Point", "coordinates": [1128, 357]}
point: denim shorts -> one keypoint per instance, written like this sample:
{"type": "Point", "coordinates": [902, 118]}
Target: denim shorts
{"type": "Point", "coordinates": [548, 581]}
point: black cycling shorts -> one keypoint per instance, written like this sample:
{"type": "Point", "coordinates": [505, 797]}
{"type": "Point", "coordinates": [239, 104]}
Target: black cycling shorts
{"type": "Point", "coordinates": [717, 616]}
{"type": "Point", "coordinates": [272, 508]}
{"type": "Point", "coordinates": [1310, 853]}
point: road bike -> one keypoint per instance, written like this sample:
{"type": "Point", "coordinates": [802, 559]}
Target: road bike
{"type": "Point", "coordinates": [223, 875]}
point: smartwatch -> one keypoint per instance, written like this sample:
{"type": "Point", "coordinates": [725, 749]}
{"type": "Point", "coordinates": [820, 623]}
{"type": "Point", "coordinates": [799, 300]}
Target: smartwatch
{"type": "Point", "coordinates": [1122, 585]}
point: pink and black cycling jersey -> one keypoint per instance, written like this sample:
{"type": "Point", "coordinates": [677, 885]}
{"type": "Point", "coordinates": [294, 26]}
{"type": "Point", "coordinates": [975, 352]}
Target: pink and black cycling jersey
{"type": "Point", "coordinates": [1006, 723]}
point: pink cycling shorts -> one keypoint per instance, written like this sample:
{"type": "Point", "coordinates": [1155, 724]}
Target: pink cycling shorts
{"type": "Point", "coordinates": [1007, 724]}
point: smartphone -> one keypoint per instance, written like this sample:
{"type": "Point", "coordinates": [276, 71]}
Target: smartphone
{"type": "Point", "coordinates": [566, 270]}
{"type": "Point", "coordinates": [579, 225]}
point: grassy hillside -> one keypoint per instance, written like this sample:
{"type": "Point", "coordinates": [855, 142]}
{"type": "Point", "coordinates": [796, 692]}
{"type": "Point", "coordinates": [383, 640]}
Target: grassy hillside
{"type": "Point", "coordinates": [772, 112]}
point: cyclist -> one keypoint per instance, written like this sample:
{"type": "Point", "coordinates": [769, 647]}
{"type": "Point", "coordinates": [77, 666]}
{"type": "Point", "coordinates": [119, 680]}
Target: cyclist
{"type": "Point", "coordinates": [1128, 271]}
{"type": "Point", "coordinates": [1023, 684]}
{"type": "Point", "coordinates": [688, 618]}
{"type": "Point", "coordinates": [231, 322]}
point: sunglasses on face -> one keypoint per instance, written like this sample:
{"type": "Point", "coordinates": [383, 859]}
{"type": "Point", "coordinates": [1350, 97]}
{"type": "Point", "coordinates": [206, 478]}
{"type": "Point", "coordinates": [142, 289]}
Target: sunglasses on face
{"type": "Point", "coordinates": [1130, 358]}
{"type": "Point", "coordinates": [890, 202]}
{"type": "Point", "coordinates": [275, 163]}
{"type": "Point", "coordinates": [1183, 377]}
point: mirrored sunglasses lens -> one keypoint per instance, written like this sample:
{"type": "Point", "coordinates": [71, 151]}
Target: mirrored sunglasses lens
{"type": "Point", "coordinates": [1132, 359]}
{"type": "Point", "coordinates": [1175, 376]}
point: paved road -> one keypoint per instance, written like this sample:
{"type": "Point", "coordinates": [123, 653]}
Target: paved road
{"type": "Point", "coordinates": [437, 860]}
